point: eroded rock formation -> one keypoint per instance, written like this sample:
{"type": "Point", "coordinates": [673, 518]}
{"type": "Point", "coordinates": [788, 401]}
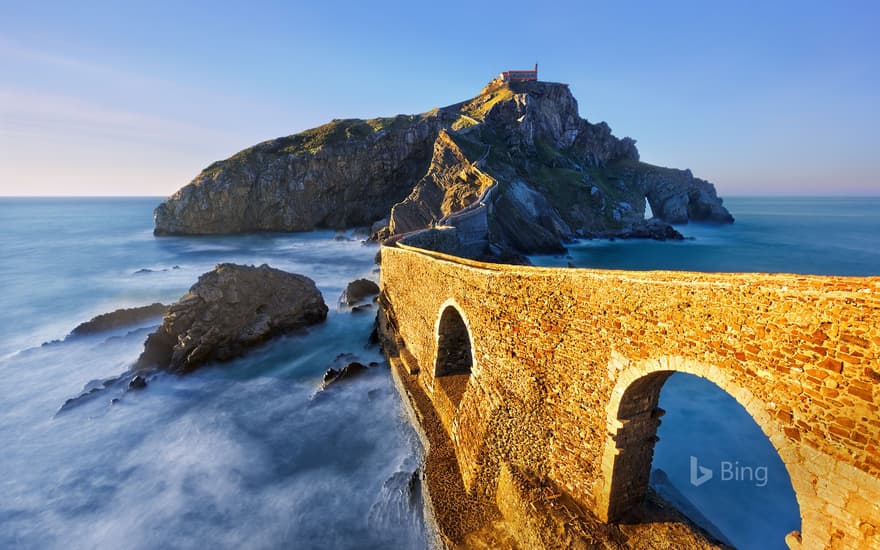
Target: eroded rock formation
{"type": "Point", "coordinates": [358, 291]}
{"type": "Point", "coordinates": [346, 173]}
{"type": "Point", "coordinates": [518, 160]}
{"type": "Point", "coordinates": [230, 309]}
{"type": "Point", "coordinates": [452, 183]}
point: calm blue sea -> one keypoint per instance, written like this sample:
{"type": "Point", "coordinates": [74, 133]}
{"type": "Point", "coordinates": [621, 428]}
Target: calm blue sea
{"type": "Point", "coordinates": [808, 235]}
{"type": "Point", "coordinates": [242, 455]}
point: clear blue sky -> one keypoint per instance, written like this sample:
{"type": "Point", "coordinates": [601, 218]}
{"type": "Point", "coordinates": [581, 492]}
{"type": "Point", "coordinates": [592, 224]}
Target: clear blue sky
{"type": "Point", "coordinates": [113, 99]}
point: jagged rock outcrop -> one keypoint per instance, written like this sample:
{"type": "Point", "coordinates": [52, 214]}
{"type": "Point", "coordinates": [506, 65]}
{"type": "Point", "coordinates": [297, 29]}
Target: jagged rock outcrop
{"type": "Point", "coordinates": [516, 168]}
{"type": "Point", "coordinates": [229, 310]}
{"type": "Point", "coordinates": [452, 182]}
{"type": "Point", "coordinates": [553, 176]}
{"type": "Point", "coordinates": [358, 291]}
{"type": "Point", "coordinates": [523, 219]}
{"type": "Point", "coordinates": [349, 371]}
{"type": "Point", "coordinates": [676, 196]}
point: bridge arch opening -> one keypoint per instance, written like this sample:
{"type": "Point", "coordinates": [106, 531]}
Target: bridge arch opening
{"type": "Point", "coordinates": [716, 461]}
{"type": "Point", "coordinates": [455, 358]}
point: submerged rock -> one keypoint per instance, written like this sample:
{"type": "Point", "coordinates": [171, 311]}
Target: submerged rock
{"type": "Point", "coordinates": [119, 319]}
{"type": "Point", "coordinates": [228, 311]}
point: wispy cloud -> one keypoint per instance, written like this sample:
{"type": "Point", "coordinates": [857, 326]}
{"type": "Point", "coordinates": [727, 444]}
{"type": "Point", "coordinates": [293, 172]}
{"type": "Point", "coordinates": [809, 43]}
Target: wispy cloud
{"type": "Point", "coordinates": [30, 115]}
{"type": "Point", "coordinates": [13, 52]}
{"type": "Point", "coordinates": [74, 126]}
{"type": "Point", "coordinates": [118, 98]}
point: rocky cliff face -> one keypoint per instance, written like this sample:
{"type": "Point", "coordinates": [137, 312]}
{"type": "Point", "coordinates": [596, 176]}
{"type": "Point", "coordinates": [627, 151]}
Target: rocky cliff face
{"type": "Point", "coordinates": [529, 172]}
{"type": "Point", "coordinates": [344, 174]}
{"type": "Point", "coordinates": [451, 183]}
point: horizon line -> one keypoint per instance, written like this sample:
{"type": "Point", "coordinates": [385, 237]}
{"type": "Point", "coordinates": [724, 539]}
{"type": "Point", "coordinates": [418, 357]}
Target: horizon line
{"type": "Point", "coordinates": [732, 195]}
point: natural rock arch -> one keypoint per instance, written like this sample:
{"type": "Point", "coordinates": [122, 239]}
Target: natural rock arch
{"type": "Point", "coordinates": [633, 416]}
{"type": "Point", "coordinates": [454, 359]}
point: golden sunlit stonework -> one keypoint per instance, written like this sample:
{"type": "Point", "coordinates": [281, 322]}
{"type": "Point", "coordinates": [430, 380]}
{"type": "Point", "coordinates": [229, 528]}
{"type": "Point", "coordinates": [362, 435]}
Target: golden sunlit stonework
{"type": "Point", "coordinates": [546, 422]}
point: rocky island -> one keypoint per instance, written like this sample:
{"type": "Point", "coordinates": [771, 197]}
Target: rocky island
{"type": "Point", "coordinates": [515, 169]}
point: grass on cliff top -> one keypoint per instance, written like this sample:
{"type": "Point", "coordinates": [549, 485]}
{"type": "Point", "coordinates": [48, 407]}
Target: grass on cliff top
{"type": "Point", "coordinates": [555, 173]}
{"type": "Point", "coordinates": [480, 105]}
{"type": "Point", "coordinates": [338, 131]}
{"type": "Point", "coordinates": [464, 121]}
{"type": "Point", "coordinates": [473, 150]}
{"type": "Point", "coordinates": [313, 140]}
{"type": "Point", "coordinates": [626, 167]}
{"type": "Point", "coordinates": [566, 184]}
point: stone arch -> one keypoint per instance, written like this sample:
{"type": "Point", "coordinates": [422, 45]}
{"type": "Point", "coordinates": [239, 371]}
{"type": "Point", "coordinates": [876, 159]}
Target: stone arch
{"type": "Point", "coordinates": [632, 420]}
{"type": "Point", "coordinates": [454, 355]}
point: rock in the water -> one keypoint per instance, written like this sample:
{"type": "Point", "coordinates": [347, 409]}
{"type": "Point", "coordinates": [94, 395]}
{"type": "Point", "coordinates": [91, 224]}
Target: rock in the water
{"type": "Point", "coordinates": [358, 291]}
{"type": "Point", "coordinates": [351, 370]}
{"type": "Point", "coordinates": [648, 229]}
{"type": "Point", "coordinates": [676, 196]}
{"type": "Point", "coordinates": [137, 382]}
{"type": "Point", "coordinates": [229, 310]}
{"type": "Point", "coordinates": [379, 230]}
{"type": "Point", "coordinates": [120, 318]}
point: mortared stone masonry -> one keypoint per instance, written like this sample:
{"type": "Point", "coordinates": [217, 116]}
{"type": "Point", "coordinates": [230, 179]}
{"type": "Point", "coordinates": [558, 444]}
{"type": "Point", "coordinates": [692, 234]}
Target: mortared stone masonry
{"type": "Point", "coordinates": [557, 372]}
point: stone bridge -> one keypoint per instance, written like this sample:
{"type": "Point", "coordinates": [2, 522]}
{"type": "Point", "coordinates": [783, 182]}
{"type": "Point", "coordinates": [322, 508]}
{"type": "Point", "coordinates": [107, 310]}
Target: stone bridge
{"type": "Point", "coordinates": [557, 372]}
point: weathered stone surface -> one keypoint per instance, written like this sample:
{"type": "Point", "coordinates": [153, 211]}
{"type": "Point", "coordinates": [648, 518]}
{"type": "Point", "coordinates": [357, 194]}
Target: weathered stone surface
{"type": "Point", "coordinates": [567, 366]}
{"type": "Point", "coordinates": [676, 196]}
{"type": "Point", "coordinates": [450, 184]}
{"type": "Point", "coordinates": [119, 319]}
{"type": "Point", "coordinates": [358, 291]}
{"type": "Point", "coordinates": [523, 220]}
{"type": "Point", "coordinates": [228, 311]}
{"type": "Point", "coordinates": [525, 512]}
{"type": "Point", "coordinates": [347, 173]}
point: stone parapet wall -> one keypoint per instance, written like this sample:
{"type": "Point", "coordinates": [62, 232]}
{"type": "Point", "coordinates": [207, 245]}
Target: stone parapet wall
{"type": "Point", "coordinates": [567, 364]}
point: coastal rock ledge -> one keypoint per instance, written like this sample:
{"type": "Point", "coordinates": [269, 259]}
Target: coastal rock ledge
{"type": "Point", "coordinates": [121, 318]}
{"type": "Point", "coordinates": [229, 310]}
